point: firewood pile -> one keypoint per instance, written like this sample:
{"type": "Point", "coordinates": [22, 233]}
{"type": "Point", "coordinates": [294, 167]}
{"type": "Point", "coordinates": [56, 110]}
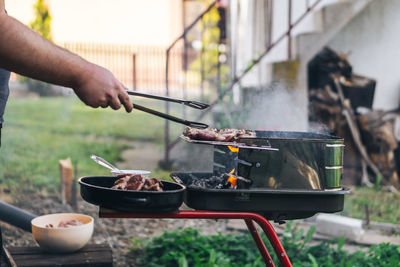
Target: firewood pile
{"type": "Point", "coordinates": [342, 102]}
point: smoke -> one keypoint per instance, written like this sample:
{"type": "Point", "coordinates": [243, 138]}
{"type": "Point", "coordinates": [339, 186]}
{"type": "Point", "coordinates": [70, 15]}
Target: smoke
{"type": "Point", "coordinates": [318, 127]}
{"type": "Point", "coordinates": [276, 108]}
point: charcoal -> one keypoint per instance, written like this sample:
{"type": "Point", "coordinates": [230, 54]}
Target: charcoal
{"type": "Point", "coordinates": [213, 182]}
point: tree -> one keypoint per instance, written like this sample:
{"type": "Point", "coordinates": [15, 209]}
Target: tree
{"type": "Point", "coordinates": [42, 22]}
{"type": "Point", "coordinates": [42, 25]}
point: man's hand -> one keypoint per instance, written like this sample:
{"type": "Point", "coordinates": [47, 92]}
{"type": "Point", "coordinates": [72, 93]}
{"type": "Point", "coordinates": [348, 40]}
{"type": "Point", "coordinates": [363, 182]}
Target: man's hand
{"type": "Point", "coordinates": [97, 87]}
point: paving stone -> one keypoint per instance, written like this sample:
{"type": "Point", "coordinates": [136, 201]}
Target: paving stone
{"type": "Point", "coordinates": [339, 226]}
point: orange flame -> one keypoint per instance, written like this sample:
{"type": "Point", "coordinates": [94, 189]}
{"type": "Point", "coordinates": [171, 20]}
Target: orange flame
{"type": "Point", "coordinates": [232, 179]}
{"type": "Point", "coordinates": [233, 149]}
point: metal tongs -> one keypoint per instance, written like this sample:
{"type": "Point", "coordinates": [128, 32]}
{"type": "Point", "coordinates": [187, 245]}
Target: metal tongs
{"type": "Point", "coordinates": [192, 104]}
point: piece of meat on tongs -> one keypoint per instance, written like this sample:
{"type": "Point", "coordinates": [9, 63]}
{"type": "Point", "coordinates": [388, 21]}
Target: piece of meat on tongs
{"type": "Point", "coordinates": [208, 134]}
{"type": "Point", "coordinates": [222, 135]}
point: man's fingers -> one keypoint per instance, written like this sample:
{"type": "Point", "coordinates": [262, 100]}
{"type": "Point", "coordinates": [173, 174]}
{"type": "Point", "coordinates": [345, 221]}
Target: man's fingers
{"type": "Point", "coordinates": [124, 98]}
{"type": "Point", "coordinates": [102, 103]}
{"type": "Point", "coordinates": [114, 103]}
{"type": "Point", "coordinates": [126, 101]}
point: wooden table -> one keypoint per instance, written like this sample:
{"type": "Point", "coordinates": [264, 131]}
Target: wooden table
{"type": "Point", "coordinates": [90, 255]}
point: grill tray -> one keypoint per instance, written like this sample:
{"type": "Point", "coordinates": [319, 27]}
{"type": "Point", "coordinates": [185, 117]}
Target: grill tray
{"type": "Point", "coordinates": [233, 144]}
{"type": "Point", "coordinates": [277, 205]}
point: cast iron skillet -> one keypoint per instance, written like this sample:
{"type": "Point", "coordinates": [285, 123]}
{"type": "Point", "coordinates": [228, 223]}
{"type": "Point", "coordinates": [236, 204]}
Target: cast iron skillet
{"type": "Point", "coordinates": [97, 190]}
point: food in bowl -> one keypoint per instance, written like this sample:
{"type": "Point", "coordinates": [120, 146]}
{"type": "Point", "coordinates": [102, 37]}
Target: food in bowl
{"type": "Point", "coordinates": [137, 182]}
{"type": "Point", "coordinates": [62, 239]}
{"type": "Point", "coordinates": [221, 135]}
{"type": "Point", "coordinates": [66, 224]}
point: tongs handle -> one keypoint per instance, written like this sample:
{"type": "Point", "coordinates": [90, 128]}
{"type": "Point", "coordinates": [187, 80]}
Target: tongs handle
{"type": "Point", "coordinates": [189, 103]}
{"type": "Point", "coordinates": [171, 118]}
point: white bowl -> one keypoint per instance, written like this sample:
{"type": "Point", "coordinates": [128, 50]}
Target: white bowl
{"type": "Point", "coordinates": [62, 240]}
{"type": "Point", "coordinates": [142, 172]}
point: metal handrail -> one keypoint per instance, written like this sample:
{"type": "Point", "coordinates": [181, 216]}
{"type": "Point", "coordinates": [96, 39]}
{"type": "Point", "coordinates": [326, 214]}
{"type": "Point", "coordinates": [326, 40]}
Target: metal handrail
{"type": "Point", "coordinates": [182, 36]}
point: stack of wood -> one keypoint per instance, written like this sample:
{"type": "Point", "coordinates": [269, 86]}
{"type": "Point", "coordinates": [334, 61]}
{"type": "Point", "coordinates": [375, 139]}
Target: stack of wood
{"type": "Point", "coordinates": [342, 101]}
{"type": "Point", "coordinates": [377, 128]}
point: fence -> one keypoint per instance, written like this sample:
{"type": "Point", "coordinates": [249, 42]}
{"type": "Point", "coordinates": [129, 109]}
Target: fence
{"type": "Point", "coordinates": [138, 67]}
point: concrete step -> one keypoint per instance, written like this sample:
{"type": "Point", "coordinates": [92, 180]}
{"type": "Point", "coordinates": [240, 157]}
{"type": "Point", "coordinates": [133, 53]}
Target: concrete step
{"type": "Point", "coordinates": [339, 226]}
{"type": "Point", "coordinates": [335, 13]}
{"type": "Point", "coordinates": [332, 18]}
{"type": "Point", "coordinates": [306, 42]}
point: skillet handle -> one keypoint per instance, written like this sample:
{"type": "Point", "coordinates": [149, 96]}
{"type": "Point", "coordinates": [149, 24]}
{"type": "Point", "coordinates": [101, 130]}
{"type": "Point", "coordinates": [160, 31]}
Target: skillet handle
{"type": "Point", "coordinates": [140, 201]}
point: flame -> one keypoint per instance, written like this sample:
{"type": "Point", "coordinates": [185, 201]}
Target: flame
{"type": "Point", "coordinates": [234, 150]}
{"type": "Point", "coordinates": [232, 179]}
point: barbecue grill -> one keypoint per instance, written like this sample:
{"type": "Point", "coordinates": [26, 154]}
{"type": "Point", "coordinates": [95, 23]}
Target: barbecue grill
{"type": "Point", "coordinates": [293, 175]}
{"type": "Point", "coordinates": [283, 176]}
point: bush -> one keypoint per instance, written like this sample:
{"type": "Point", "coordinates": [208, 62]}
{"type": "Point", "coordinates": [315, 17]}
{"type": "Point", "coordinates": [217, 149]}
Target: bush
{"type": "Point", "coordinates": [186, 247]}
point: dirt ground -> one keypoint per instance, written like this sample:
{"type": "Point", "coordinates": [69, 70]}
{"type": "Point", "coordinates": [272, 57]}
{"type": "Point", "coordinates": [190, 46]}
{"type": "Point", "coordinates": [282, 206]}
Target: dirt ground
{"type": "Point", "coordinates": [142, 155]}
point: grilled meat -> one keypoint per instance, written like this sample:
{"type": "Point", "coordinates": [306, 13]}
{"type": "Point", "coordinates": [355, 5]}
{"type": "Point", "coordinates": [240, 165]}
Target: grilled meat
{"type": "Point", "coordinates": [222, 135]}
{"type": "Point", "coordinates": [137, 182]}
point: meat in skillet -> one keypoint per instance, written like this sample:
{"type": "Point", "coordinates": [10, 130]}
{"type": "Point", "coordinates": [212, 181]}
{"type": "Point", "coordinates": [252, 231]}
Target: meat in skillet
{"type": "Point", "coordinates": [137, 182]}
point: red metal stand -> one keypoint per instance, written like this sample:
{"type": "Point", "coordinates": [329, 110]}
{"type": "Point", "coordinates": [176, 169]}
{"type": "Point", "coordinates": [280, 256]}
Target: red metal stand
{"type": "Point", "coordinates": [248, 217]}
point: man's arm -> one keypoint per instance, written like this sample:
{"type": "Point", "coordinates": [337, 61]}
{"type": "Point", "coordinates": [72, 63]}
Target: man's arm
{"type": "Point", "coordinates": [25, 52]}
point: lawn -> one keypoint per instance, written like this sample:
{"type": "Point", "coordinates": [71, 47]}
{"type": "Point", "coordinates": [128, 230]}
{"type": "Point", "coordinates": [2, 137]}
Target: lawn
{"type": "Point", "coordinates": [383, 206]}
{"type": "Point", "coordinates": [39, 132]}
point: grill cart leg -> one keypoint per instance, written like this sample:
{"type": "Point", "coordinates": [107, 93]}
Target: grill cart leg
{"type": "Point", "coordinates": [249, 217]}
{"type": "Point", "coordinates": [259, 242]}
{"type": "Point", "coordinates": [274, 240]}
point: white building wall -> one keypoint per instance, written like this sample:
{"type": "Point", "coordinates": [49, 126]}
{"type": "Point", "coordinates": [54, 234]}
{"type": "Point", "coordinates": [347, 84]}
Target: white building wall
{"type": "Point", "coordinates": [372, 41]}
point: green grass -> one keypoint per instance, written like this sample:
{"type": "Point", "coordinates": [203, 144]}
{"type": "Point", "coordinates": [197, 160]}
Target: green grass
{"type": "Point", "coordinates": [68, 116]}
{"type": "Point", "coordinates": [39, 132]}
{"type": "Point", "coordinates": [383, 206]}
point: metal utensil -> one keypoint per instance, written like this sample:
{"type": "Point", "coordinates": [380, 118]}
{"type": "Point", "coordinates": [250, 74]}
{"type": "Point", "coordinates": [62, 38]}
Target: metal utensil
{"type": "Point", "coordinates": [104, 163]}
{"type": "Point", "coordinates": [189, 103]}
{"type": "Point", "coordinates": [171, 118]}
{"type": "Point", "coordinates": [192, 104]}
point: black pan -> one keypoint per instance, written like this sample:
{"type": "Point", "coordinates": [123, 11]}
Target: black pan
{"type": "Point", "coordinates": [97, 190]}
{"type": "Point", "coordinates": [277, 205]}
